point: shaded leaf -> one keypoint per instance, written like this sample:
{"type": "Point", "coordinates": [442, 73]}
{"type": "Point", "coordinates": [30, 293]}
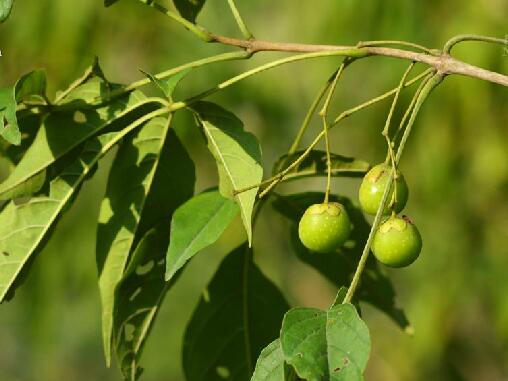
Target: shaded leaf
{"type": "Point", "coordinates": [237, 154]}
{"type": "Point", "coordinates": [197, 224]}
{"type": "Point", "coordinates": [239, 314]}
{"type": "Point", "coordinates": [139, 296]}
{"type": "Point", "coordinates": [9, 131]}
{"type": "Point", "coordinates": [141, 157]}
{"type": "Point", "coordinates": [5, 9]}
{"type": "Point", "coordinates": [62, 131]}
{"type": "Point", "coordinates": [168, 85]}
{"type": "Point", "coordinates": [340, 266]}
{"type": "Point", "coordinates": [107, 3]}
{"type": "Point", "coordinates": [271, 366]}
{"type": "Point", "coordinates": [332, 345]}
{"type": "Point", "coordinates": [189, 9]}
{"type": "Point", "coordinates": [315, 165]}
{"type": "Point", "coordinates": [31, 85]}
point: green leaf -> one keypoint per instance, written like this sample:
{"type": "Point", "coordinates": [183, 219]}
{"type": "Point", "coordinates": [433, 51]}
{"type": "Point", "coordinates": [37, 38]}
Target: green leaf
{"type": "Point", "coordinates": [271, 366]}
{"type": "Point", "coordinates": [31, 85]}
{"type": "Point", "coordinates": [9, 132]}
{"type": "Point", "coordinates": [197, 224]}
{"type": "Point", "coordinates": [29, 123]}
{"type": "Point", "coordinates": [238, 315]}
{"type": "Point", "coordinates": [315, 165]}
{"type": "Point", "coordinates": [25, 227]}
{"type": "Point", "coordinates": [143, 156]}
{"type": "Point", "coordinates": [375, 287]}
{"type": "Point", "coordinates": [5, 9]}
{"type": "Point", "coordinates": [139, 296]}
{"type": "Point", "coordinates": [237, 154]}
{"type": "Point", "coordinates": [331, 345]}
{"type": "Point", "coordinates": [189, 9]}
{"type": "Point", "coordinates": [167, 85]}
{"type": "Point", "coordinates": [62, 131]}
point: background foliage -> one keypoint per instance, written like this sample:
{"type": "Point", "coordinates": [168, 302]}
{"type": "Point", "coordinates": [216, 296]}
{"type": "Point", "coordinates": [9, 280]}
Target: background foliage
{"type": "Point", "coordinates": [456, 165]}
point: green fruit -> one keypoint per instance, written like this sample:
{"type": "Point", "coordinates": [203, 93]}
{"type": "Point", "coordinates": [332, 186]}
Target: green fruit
{"type": "Point", "coordinates": [374, 185]}
{"type": "Point", "coordinates": [324, 227]}
{"type": "Point", "coordinates": [397, 242]}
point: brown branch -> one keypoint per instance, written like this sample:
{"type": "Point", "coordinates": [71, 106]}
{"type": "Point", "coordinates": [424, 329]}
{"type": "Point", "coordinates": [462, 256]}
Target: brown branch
{"type": "Point", "coordinates": [442, 62]}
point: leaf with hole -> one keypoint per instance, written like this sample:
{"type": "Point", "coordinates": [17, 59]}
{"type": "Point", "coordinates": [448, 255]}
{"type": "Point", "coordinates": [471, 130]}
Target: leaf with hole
{"type": "Point", "coordinates": [152, 157]}
{"type": "Point", "coordinates": [140, 295]}
{"type": "Point", "coordinates": [332, 345]}
{"type": "Point", "coordinates": [239, 314]}
{"type": "Point", "coordinates": [237, 154]}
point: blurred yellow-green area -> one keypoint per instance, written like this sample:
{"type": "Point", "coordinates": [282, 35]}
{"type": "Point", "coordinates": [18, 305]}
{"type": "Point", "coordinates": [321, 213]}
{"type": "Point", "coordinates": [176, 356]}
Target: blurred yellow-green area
{"type": "Point", "coordinates": [456, 164]}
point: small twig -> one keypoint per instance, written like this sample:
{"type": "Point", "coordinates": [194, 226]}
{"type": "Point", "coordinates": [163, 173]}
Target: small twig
{"type": "Point", "coordinates": [273, 181]}
{"type": "Point", "coordinates": [197, 30]}
{"type": "Point", "coordinates": [239, 20]}
{"type": "Point", "coordinates": [324, 114]}
{"type": "Point", "coordinates": [362, 44]}
{"type": "Point", "coordinates": [472, 37]}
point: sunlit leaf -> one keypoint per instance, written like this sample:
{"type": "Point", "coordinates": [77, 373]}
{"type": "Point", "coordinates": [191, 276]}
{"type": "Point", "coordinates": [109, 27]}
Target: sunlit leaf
{"type": "Point", "coordinates": [237, 154]}
{"type": "Point", "coordinates": [238, 315]}
{"type": "Point", "coordinates": [25, 227]}
{"type": "Point", "coordinates": [271, 365]}
{"type": "Point", "coordinates": [31, 85]}
{"type": "Point", "coordinates": [332, 345]}
{"type": "Point", "coordinates": [153, 151]}
{"type": "Point", "coordinates": [9, 132]}
{"type": "Point", "coordinates": [5, 9]}
{"type": "Point", "coordinates": [197, 224]}
{"type": "Point", "coordinates": [65, 130]}
{"type": "Point", "coordinates": [168, 85]}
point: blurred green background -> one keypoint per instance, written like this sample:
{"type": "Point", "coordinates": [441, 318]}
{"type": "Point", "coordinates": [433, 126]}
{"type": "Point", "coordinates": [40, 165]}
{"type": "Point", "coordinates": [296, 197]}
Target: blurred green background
{"type": "Point", "coordinates": [456, 164]}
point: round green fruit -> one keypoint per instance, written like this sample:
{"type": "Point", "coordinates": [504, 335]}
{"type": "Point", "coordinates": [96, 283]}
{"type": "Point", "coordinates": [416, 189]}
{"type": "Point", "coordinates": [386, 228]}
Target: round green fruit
{"type": "Point", "coordinates": [397, 242]}
{"type": "Point", "coordinates": [373, 187]}
{"type": "Point", "coordinates": [324, 227]}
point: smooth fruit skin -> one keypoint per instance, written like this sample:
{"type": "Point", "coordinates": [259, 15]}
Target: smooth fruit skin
{"type": "Point", "coordinates": [373, 186]}
{"type": "Point", "coordinates": [397, 242]}
{"type": "Point", "coordinates": [324, 227]}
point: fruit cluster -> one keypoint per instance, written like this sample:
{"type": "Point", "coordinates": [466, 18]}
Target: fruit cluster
{"type": "Point", "coordinates": [397, 243]}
